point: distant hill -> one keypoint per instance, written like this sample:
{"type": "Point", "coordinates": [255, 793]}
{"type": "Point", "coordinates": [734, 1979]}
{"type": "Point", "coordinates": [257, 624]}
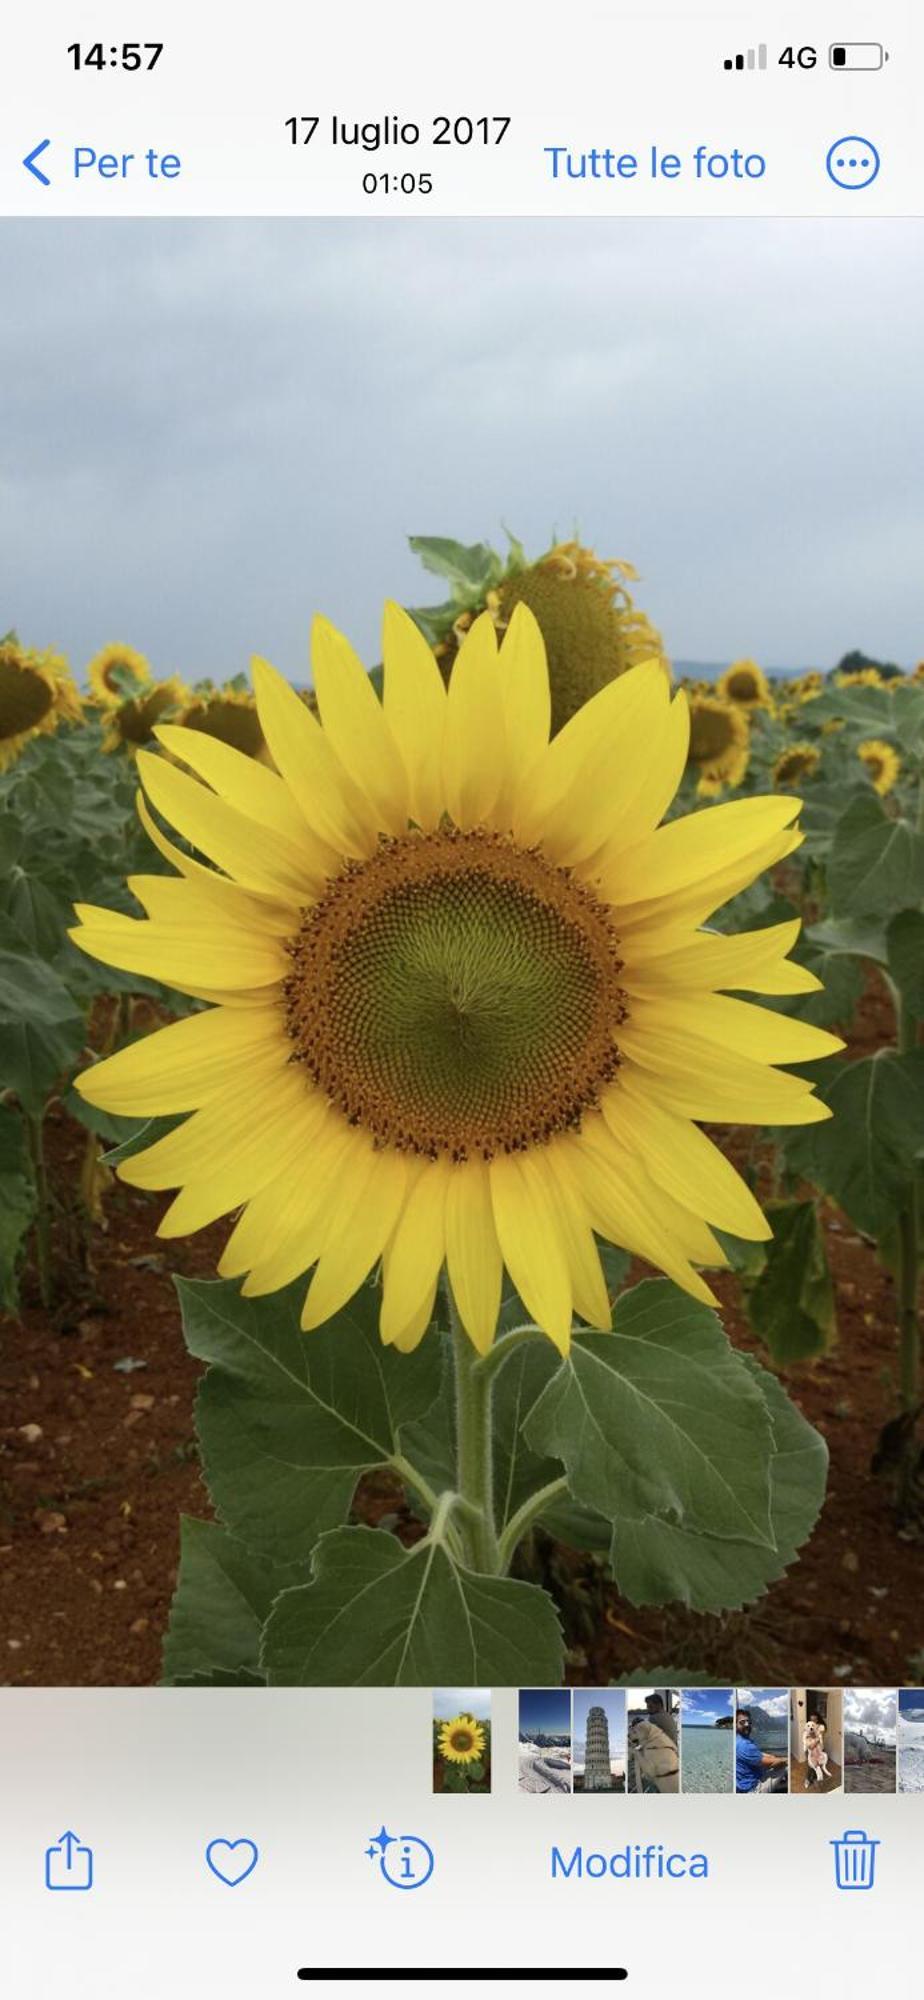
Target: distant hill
{"type": "Point", "coordinates": [771, 1732]}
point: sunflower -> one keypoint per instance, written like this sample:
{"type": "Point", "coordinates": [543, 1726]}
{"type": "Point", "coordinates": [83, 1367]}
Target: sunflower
{"type": "Point", "coordinates": [134, 723]}
{"type": "Point", "coordinates": [592, 630]}
{"type": "Point", "coordinates": [808, 687]}
{"type": "Point", "coordinates": [797, 761]}
{"type": "Point", "coordinates": [719, 743]}
{"type": "Point", "coordinates": [230, 714]}
{"type": "Point", "coordinates": [882, 763]}
{"type": "Point", "coordinates": [461, 1741]}
{"type": "Point", "coordinates": [746, 683]}
{"type": "Point", "coordinates": [859, 677]}
{"type": "Point", "coordinates": [462, 1009]}
{"type": "Point", "coordinates": [36, 694]}
{"type": "Point", "coordinates": [117, 674]}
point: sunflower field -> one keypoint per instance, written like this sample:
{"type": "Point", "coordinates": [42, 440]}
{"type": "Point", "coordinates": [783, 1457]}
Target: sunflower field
{"type": "Point", "coordinates": [460, 1156]}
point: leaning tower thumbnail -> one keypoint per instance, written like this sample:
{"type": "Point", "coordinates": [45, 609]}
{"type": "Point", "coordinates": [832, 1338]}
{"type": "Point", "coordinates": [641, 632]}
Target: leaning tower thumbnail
{"type": "Point", "coordinates": [597, 1774]}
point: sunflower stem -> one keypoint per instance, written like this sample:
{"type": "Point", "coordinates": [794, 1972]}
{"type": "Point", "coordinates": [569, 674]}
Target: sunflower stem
{"type": "Point", "coordinates": [488, 1365]}
{"type": "Point", "coordinates": [474, 1450]}
{"type": "Point", "coordinates": [43, 1208]}
{"type": "Point", "coordinates": [520, 1523]}
{"type": "Point", "coordinates": [408, 1473]}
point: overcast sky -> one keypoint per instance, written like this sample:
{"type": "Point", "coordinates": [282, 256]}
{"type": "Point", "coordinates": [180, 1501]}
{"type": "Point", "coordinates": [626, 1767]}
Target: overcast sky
{"type": "Point", "coordinates": [871, 1711]}
{"type": "Point", "coordinates": [208, 430]}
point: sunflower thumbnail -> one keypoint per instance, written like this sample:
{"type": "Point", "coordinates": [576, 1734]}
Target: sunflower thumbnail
{"type": "Point", "coordinates": [37, 694]}
{"type": "Point", "coordinates": [461, 1010]}
{"type": "Point", "coordinates": [462, 1740]}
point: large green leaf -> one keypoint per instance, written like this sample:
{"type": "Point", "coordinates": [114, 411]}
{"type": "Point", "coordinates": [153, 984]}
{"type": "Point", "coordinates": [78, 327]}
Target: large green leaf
{"type": "Point", "coordinates": [40, 916]}
{"type": "Point", "coordinates": [35, 1058]}
{"type": "Point", "coordinates": [791, 1304]}
{"type": "Point", "coordinates": [905, 945]}
{"type": "Point", "coordinates": [288, 1420]}
{"type": "Point", "coordinates": [11, 838]}
{"type": "Point", "coordinates": [849, 937]}
{"type": "Point", "coordinates": [519, 1471]}
{"type": "Point", "coordinates": [876, 864]}
{"type": "Point", "coordinates": [869, 709]}
{"type": "Point", "coordinates": [224, 1595]}
{"type": "Point", "coordinates": [657, 1562]}
{"type": "Point", "coordinates": [468, 568]}
{"type": "Point", "coordinates": [661, 1417]}
{"type": "Point", "coordinates": [41, 1029]}
{"type": "Point", "coordinates": [864, 1156]}
{"type": "Point", "coordinates": [379, 1615]}
{"type": "Point", "coordinates": [17, 1203]}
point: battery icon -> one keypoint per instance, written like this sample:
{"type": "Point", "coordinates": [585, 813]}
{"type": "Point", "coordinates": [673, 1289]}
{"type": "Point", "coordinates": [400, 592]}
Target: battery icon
{"type": "Point", "coordinates": [857, 55]}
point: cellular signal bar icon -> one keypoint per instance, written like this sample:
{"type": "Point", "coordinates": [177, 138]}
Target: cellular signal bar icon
{"type": "Point", "coordinates": [750, 59]}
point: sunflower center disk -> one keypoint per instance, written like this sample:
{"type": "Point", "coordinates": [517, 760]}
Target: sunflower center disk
{"type": "Point", "coordinates": [456, 995]}
{"type": "Point", "coordinates": [25, 698]}
{"type": "Point", "coordinates": [711, 732]}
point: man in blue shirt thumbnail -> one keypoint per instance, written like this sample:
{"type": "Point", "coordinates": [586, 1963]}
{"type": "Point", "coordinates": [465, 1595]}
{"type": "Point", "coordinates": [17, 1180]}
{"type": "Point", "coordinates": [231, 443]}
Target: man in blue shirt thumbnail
{"type": "Point", "coordinates": [755, 1769]}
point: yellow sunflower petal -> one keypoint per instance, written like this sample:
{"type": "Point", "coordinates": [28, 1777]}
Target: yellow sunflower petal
{"type": "Point", "coordinates": [726, 1090]}
{"type": "Point", "coordinates": [473, 1257]}
{"type": "Point", "coordinates": [256, 856]}
{"type": "Point", "coordinates": [473, 744]}
{"type": "Point", "coordinates": [624, 1206]}
{"type": "Point", "coordinates": [410, 1334]}
{"type": "Point", "coordinates": [737, 1027]}
{"type": "Point", "coordinates": [180, 1067]}
{"type": "Point", "coordinates": [266, 1219]}
{"type": "Point", "coordinates": [296, 1232]}
{"type": "Point", "coordinates": [608, 781]}
{"type": "Point", "coordinates": [326, 798]}
{"type": "Point", "coordinates": [677, 856]}
{"type": "Point", "coordinates": [358, 1228]}
{"type": "Point", "coordinates": [251, 1122]}
{"type": "Point", "coordinates": [531, 1244]}
{"type": "Point", "coordinates": [167, 899]}
{"type": "Point", "coordinates": [259, 793]}
{"type": "Point", "coordinates": [588, 1284]}
{"type": "Point", "coordinates": [356, 725]}
{"type": "Point", "coordinates": [705, 894]}
{"type": "Point", "coordinates": [577, 753]}
{"type": "Point", "coordinates": [527, 704]}
{"type": "Point", "coordinates": [415, 708]}
{"type": "Point", "coordinates": [752, 962]}
{"type": "Point", "coordinates": [640, 807]}
{"type": "Point", "coordinates": [681, 1159]}
{"type": "Point", "coordinates": [177, 953]}
{"type": "Point", "coordinates": [414, 1256]}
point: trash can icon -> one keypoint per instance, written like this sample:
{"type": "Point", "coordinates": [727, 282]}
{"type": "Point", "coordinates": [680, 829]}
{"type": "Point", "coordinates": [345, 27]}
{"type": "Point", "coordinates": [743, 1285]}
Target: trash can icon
{"type": "Point", "coordinates": [855, 1860]}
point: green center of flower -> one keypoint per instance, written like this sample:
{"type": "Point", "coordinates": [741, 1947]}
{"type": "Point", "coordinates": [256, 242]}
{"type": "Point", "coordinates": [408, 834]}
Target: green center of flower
{"type": "Point", "coordinates": [462, 1741]}
{"type": "Point", "coordinates": [25, 697]}
{"type": "Point", "coordinates": [456, 995]}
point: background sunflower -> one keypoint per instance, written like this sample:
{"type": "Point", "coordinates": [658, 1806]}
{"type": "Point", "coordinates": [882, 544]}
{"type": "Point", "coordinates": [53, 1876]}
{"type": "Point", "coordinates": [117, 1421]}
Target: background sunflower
{"type": "Point", "coordinates": [37, 693]}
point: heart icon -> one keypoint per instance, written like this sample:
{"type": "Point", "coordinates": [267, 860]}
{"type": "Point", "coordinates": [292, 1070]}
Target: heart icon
{"type": "Point", "coordinates": [232, 1860]}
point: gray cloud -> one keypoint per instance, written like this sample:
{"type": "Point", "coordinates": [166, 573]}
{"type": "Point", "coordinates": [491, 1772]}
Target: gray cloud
{"type": "Point", "coordinates": [208, 430]}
